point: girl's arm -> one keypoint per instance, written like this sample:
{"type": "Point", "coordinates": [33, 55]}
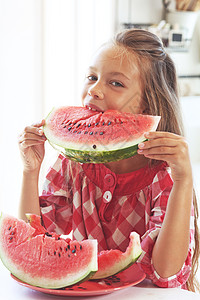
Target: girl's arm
{"type": "Point", "coordinates": [31, 144]}
{"type": "Point", "coordinates": [171, 247]}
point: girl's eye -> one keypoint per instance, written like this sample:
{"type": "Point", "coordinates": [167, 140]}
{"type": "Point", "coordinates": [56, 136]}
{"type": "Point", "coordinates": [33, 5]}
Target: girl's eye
{"type": "Point", "coordinates": [116, 83]}
{"type": "Point", "coordinates": [92, 78]}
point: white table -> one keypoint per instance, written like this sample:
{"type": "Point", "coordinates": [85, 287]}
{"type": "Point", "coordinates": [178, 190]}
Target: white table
{"type": "Point", "coordinates": [10, 289]}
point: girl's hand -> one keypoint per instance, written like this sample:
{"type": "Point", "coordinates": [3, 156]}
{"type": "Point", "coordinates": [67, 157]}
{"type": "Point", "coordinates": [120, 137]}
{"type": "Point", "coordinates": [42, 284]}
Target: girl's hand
{"type": "Point", "coordinates": [171, 148]}
{"type": "Point", "coordinates": [31, 145]}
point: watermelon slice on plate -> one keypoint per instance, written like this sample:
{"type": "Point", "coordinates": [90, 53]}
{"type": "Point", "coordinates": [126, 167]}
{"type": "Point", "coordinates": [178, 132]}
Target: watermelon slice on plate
{"type": "Point", "coordinates": [88, 136]}
{"type": "Point", "coordinates": [47, 260]}
{"type": "Point", "coordinates": [44, 260]}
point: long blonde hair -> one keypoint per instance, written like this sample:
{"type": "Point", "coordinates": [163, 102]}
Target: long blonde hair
{"type": "Point", "coordinates": [159, 80]}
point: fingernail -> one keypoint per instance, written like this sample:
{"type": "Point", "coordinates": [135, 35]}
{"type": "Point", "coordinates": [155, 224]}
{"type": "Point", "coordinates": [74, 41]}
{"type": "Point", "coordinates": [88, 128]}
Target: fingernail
{"type": "Point", "coordinates": [141, 145]}
{"type": "Point", "coordinates": [146, 134]}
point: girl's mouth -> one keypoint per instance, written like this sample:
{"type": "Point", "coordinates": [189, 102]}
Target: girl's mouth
{"type": "Point", "coordinates": [93, 107]}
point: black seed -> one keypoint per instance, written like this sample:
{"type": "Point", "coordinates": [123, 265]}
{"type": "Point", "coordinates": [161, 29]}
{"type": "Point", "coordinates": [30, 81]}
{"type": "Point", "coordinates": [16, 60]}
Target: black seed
{"type": "Point", "coordinates": [74, 251]}
{"type": "Point", "coordinates": [65, 249]}
{"type": "Point", "coordinates": [48, 234]}
{"type": "Point", "coordinates": [101, 133]}
{"type": "Point", "coordinates": [48, 253]}
{"type": "Point", "coordinates": [12, 232]}
{"type": "Point", "coordinates": [70, 123]}
{"type": "Point", "coordinates": [86, 132]}
{"type": "Point", "coordinates": [11, 238]}
{"type": "Point", "coordinates": [78, 125]}
{"type": "Point", "coordinates": [108, 283]}
{"type": "Point", "coordinates": [68, 255]}
{"type": "Point", "coordinates": [59, 254]}
{"type": "Point", "coordinates": [9, 227]}
{"type": "Point", "coordinates": [103, 123]}
{"type": "Point", "coordinates": [65, 126]}
{"type": "Point", "coordinates": [68, 246]}
{"type": "Point", "coordinates": [89, 125]}
{"type": "Point", "coordinates": [75, 246]}
{"type": "Point", "coordinates": [97, 124]}
{"type": "Point", "coordinates": [60, 248]}
{"type": "Point", "coordinates": [75, 131]}
{"type": "Point", "coordinates": [109, 123]}
{"type": "Point", "coordinates": [54, 252]}
{"type": "Point", "coordinates": [79, 132]}
{"type": "Point", "coordinates": [94, 146]}
{"type": "Point", "coordinates": [69, 128]}
{"type": "Point", "coordinates": [81, 247]}
{"type": "Point", "coordinates": [121, 122]}
{"type": "Point", "coordinates": [96, 132]}
{"type": "Point", "coordinates": [91, 133]}
{"type": "Point", "coordinates": [58, 238]}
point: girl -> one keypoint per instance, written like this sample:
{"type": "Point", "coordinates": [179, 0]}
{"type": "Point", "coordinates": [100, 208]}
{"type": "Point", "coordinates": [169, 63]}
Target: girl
{"type": "Point", "coordinates": [150, 193]}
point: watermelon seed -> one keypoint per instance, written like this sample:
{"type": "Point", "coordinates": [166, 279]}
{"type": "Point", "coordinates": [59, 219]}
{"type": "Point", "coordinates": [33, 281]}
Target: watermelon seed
{"type": "Point", "coordinates": [60, 248]}
{"type": "Point", "coordinates": [54, 252]}
{"type": "Point", "coordinates": [68, 255]}
{"type": "Point", "coordinates": [48, 253]}
{"type": "Point", "coordinates": [103, 123]}
{"type": "Point", "coordinates": [58, 238]}
{"type": "Point", "coordinates": [75, 131]}
{"type": "Point", "coordinates": [74, 250]}
{"type": "Point", "coordinates": [101, 133]}
{"type": "Point", "coordinates": [78, 125]}
{"type": "Point", "coordinates": [59, 254]}
{"type": "Point", "coordinates": [89, 125]}
{"type": "Point", "coordinates": [96, 123]}
{"type": "Point", "coordinates": [9, 227]}
{"type": "Point", "coordinates": [66, 249]}
{"type": "Point", "coordinates": [12, 232]}
{"type": "Point", "coordinates": [91, 133]}
{"type": "Point", "coordinates": [68, 246]}
{"type": "Point", "coordinates": [79, 132]}
{"type": "Point", "coordinates": [11, 238]}
{"type": "Point", "coordinates": [109, 123]}
{"type": "Point", "coordinates": [86, 132]}
{"type": "Point", "coordinates": [65, 126]}
{"type": "Point", "coordinates": [94, 146]}
{"type": "Point", "coordinates": [69, 128]}
{"type": "Point", "coordinates": [48, 234]}
{"type": "Point", "coordinates": [81, 247]}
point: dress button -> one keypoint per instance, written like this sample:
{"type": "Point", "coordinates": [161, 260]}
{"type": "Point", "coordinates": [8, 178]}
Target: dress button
{"type": "Point", "coordinates": [109, 180]}
{"type": "Point", "coordinates": [107, 196]}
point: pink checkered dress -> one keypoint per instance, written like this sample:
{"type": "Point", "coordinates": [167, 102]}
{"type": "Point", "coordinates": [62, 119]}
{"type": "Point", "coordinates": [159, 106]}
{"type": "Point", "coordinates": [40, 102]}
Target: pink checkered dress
{"type": "Point", "coordinates": [96, 203]}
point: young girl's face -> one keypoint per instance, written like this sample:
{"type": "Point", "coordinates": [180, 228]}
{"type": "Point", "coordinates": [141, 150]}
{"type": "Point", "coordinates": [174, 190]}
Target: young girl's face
{"type": "Point", "coordinates": [113, 82]}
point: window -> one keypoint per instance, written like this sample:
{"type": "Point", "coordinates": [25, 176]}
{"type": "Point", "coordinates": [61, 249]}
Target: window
{"type": "Point", "coordinates": [46, 45]}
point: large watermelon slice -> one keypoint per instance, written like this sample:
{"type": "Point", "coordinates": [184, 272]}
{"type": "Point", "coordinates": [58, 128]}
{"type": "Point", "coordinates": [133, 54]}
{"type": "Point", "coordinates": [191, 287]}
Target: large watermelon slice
{"type": "Point", "coordinates": [90, 136]}
{"type": "Point", "coordinates": [44, 260]}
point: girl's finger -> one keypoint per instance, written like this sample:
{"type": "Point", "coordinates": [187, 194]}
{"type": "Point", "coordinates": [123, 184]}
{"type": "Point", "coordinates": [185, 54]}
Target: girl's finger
{"type": "Point", "coordinates": [160, 134]}
{"type": "Point", "coordinates": [159, 142]}
{"type": "Point", "coordinates": [29, 143]}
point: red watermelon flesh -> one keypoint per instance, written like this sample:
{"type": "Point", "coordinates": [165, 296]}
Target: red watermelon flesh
{"type": "Point", "coordinates": [44, 260]}
{"type": "Point", "coordinates": [110, 262]}
{"type": "Point", "coordinates": [91, 136]}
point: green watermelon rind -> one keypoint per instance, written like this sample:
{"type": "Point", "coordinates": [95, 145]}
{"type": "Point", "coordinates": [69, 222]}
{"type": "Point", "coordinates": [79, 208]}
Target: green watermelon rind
{"type": "Point", "coordinates": [97, 156]}
{"type": "Point", "coordinates": [41, 281]}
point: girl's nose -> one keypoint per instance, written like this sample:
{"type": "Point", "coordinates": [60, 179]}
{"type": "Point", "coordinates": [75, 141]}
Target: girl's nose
{"type": "Point", "coordinates": [96, 92]}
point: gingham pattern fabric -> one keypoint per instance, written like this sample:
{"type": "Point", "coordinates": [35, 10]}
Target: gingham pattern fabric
{"type": "Point", "coordinates": [96, 203]}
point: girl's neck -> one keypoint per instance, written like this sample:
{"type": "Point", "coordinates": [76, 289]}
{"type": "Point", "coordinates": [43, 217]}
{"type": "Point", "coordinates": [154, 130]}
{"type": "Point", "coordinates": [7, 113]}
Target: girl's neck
{"type": "Point", "coordinates": [128, 165]}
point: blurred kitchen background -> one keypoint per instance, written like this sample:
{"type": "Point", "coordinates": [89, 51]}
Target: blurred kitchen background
{"type": "Point", "coordinates": [45, 46]}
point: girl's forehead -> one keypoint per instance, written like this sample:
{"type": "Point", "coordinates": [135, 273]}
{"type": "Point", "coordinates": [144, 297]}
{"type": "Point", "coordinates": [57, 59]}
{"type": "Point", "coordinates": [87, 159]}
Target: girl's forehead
{"type": "Point", "coordinates": [115, 54]}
